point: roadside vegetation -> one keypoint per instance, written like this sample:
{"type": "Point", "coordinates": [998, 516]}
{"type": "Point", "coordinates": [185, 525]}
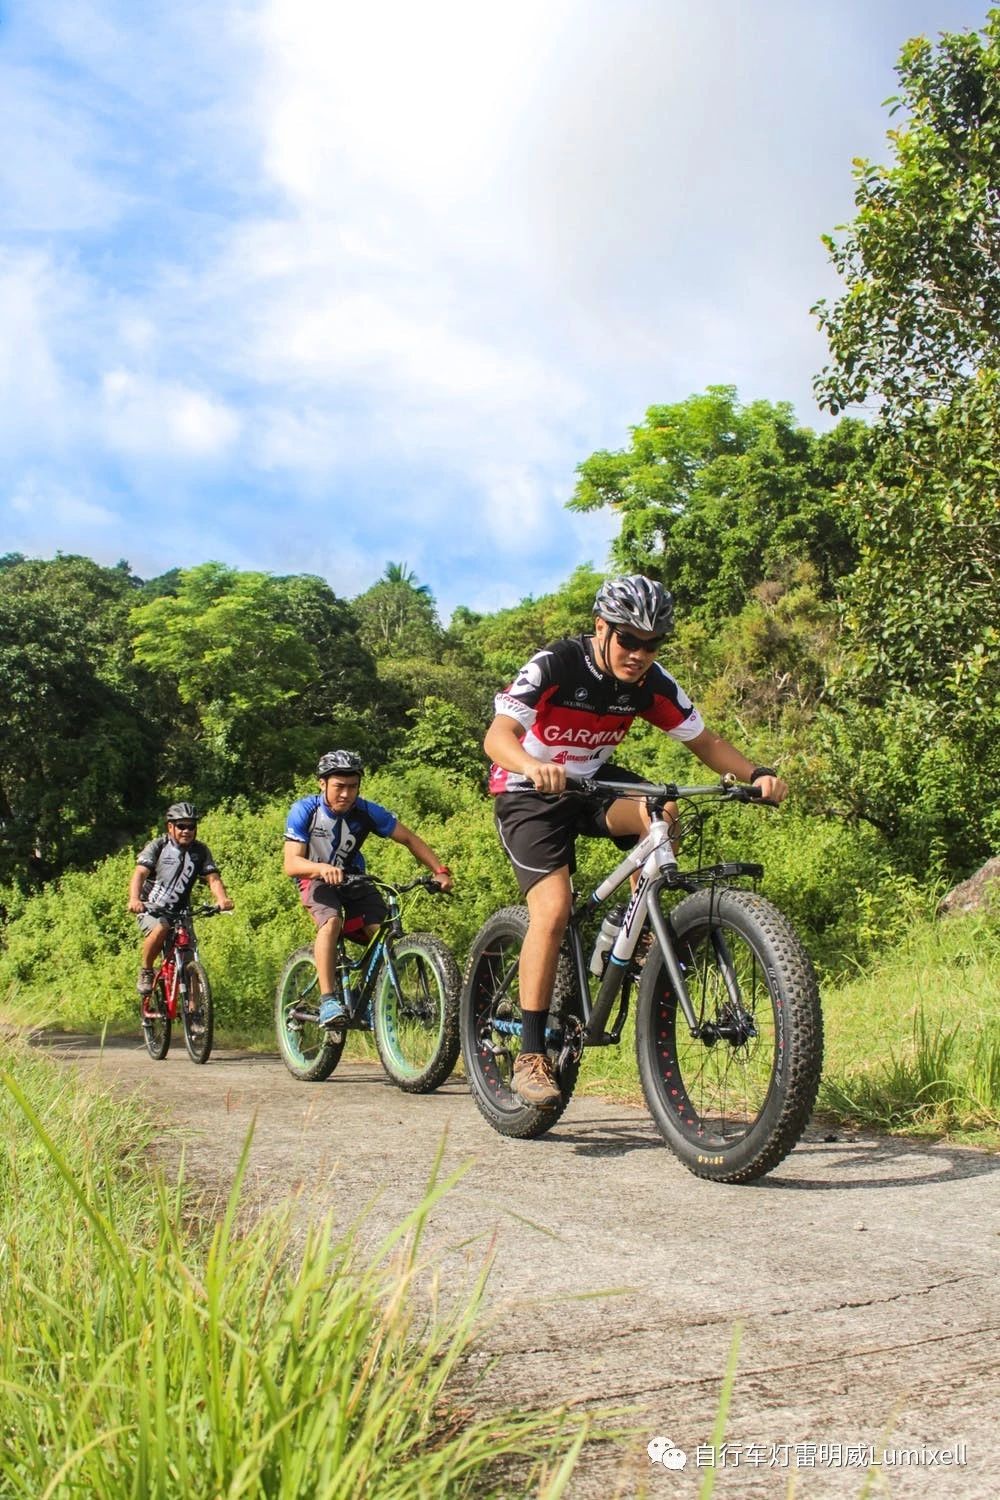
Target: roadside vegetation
{"type": "Point", "coordinates": [146, 1349]}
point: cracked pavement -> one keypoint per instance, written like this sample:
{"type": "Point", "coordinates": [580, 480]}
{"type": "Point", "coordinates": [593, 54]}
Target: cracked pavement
{"type": "Point", "coordinates": [863, 1270]}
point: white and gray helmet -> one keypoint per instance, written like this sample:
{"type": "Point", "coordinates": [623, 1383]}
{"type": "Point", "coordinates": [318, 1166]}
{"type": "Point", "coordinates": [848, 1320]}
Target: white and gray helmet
{"type": "Point", "coordinates": [639, 602]}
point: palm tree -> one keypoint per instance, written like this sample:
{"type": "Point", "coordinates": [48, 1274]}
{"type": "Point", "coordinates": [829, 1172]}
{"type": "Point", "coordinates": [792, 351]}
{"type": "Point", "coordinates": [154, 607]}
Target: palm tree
{"type": "Point", "coordinates": [401, 573]}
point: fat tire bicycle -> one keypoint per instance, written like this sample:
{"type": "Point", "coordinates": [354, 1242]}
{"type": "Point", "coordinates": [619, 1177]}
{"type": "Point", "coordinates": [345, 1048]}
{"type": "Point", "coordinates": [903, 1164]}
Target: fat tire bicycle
{"type": "Point", "coordinates": [728, 1029]}
{"type": "Point", "coordinates": [180, 987]}
{"type": "Point", "coordinates": [403, 987]}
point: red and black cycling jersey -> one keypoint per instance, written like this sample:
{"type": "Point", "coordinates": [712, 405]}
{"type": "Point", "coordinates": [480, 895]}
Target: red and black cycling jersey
{"type": "Point", "coordinates": [576, 715]}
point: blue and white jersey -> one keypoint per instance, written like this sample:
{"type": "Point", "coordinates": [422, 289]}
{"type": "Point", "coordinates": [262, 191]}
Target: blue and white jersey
{"type": "Point", "coordinates": [334, 838]}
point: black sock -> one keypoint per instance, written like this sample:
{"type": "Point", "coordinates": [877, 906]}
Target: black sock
{"type": "Point", "coordinates": [533, 1024]}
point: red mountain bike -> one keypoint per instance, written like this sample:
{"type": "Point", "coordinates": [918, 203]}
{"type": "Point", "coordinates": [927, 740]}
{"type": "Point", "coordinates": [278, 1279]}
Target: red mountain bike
{"type": "Point", "coordinates": [181, 988]}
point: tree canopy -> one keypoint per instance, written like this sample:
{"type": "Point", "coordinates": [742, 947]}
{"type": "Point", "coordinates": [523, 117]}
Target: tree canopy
{"type": "Point", "coordinates": [715, 497]}
{"type": "Point", "coordinates": [921, 259]}
{"type": "Point", "coordinates": [77, 748]}
{"type": "Point", "coordinates": [272, 668]}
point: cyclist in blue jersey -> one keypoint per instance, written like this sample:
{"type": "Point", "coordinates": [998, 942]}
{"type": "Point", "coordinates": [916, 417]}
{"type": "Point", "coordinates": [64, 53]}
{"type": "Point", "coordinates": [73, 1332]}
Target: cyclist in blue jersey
{"type": "Point", "coordinates": [323, 839]}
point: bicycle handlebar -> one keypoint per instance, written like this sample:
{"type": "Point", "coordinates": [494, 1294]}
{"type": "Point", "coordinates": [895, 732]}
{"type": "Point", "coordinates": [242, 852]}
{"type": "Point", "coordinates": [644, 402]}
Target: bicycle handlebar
{"type": "Point", "coordinates": [726, 789]}
{"type": "Point", "coordinates": [426, 881]}
{"type": "Point", "coordinates": [189, 911]}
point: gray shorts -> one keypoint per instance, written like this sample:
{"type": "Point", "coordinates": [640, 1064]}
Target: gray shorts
{"type": "Point", "coordinates": [361, 906]}
{"type": "Point", "coordinates": [147, 922]}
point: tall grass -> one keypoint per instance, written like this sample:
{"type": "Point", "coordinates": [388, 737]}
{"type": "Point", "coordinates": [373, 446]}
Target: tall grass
{"type": "Point", "coordinates": [143, 1352]}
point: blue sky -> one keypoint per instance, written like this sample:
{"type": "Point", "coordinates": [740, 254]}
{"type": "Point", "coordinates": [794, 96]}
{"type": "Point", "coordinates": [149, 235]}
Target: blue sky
{"type": "Point", "coordinates": [306, 286]}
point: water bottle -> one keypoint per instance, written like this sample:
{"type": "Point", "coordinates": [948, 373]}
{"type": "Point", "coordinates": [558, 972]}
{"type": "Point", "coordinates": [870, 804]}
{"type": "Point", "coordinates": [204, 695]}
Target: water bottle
{"type": "Point", "coordinates": [610, 928]}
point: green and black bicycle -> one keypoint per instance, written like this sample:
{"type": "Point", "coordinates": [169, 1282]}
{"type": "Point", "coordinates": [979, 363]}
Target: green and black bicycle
{"type": "Point", "coordinates": [403, 987]}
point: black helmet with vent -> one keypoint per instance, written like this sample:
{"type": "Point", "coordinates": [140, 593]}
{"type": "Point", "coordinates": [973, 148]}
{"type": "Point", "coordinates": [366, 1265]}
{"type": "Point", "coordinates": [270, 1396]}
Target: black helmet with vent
{"type": "Point", "coordinates": [339, 763]}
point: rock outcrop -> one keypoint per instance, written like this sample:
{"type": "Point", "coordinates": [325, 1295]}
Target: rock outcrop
{"type": "Point", "coordinates": [980, 892]}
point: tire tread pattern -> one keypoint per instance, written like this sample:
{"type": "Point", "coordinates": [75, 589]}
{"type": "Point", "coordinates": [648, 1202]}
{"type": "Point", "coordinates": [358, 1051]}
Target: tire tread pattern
{"type": "Point", "coordinates": [439, 958]}
{"type": "Point", "coordinates": [330, 1053]}
{"type": "Point", "coordinates": [521, 1121]}
{"type": "Point", "coordinates": [766, 1144]}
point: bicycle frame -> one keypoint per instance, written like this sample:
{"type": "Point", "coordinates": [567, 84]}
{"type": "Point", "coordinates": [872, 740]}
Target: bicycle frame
{"type": "Point", "coordinates": [179, 948]}
{"type": "Point", "coordinates": [367, 964]}
{"type": "Point", "coordinates": [379, 948]}
{"type": "Point", "coordinates": [656, 864]}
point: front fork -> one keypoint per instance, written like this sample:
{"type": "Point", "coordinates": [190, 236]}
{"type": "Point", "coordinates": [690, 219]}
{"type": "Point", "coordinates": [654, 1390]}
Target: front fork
{"type": "Point", "coordinates": [659, 871]}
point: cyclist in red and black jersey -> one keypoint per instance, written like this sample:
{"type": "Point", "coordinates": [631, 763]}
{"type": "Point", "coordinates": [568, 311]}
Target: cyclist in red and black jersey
{"type": "Point", "coordinates": [564, 714]}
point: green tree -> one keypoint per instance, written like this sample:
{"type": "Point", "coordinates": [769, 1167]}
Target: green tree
{"type": "Point", "coordinates": [401, 573]}
{"type": "Point", "coordinates": [913, 748]}
{"type": "Point", "coordinates": [78, 740]}
{"type": "Point", "coordinates": [496, 645]}
{"type": "Point", "coordinates": [921, 258]}
{"type": "Point", "coordinates": [445, 737]}
{"type": "Point", "coordinates": [715, 498]}
{"type": "Point", "coordinates": [271, 668]}
{"type": "Point", "coordinates": [922, 628]}
{"type": "Point", "coordinates": [398, 617]}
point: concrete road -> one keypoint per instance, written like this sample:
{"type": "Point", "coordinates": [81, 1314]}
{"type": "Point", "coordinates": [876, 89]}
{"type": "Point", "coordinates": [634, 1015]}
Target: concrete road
{"type": "Point", "coordinates": [864, 1270]}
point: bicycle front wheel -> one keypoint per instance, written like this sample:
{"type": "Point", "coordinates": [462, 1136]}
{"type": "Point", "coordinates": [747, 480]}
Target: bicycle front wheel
{"type": "Point", "coordinates": [491, 1027]}
{"type": "Point", "coordinates": [733, 1100]}
{"type": "Point", "coordinates": [199, 1020]}
{"type": "Point", "coordinates": [416, 1012]}
{"type": "Point", "coordinates": [308, 1050]}
{"type": "Point", "coordinates": [156, 1021]}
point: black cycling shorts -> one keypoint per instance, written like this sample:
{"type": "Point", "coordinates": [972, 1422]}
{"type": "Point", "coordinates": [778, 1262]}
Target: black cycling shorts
{"type": "Point", "coordinates": [539, 829]}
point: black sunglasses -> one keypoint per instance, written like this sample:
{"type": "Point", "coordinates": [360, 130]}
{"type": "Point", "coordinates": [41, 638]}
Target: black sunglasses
{"type": "Point", "coordinates": [185, 826]}
{"type": "Point", "coordinates": [630, 642]}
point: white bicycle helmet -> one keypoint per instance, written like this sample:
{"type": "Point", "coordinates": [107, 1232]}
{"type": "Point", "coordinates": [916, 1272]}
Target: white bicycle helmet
{"type": "Point", "coordinates": [635, 601]}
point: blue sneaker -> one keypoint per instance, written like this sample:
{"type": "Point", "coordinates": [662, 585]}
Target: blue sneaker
{"type": "Point", "coordinates": [332, 1012]}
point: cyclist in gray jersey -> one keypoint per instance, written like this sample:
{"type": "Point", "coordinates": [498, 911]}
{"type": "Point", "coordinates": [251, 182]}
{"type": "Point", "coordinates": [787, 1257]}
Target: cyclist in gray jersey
{"type": "Point", "coordinates": [165, 874]}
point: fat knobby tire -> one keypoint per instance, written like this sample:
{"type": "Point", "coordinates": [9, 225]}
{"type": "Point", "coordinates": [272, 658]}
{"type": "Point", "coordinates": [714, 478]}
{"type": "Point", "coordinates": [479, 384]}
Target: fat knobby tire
{"type": "Point", "coordinates": [418, 957]}
{"type": "Point", "coordinates": [309, 1054]}
{"type": "Point", "coordinates": [693, 1089]}
{"type": "Point", "coordinates": [497, 946]}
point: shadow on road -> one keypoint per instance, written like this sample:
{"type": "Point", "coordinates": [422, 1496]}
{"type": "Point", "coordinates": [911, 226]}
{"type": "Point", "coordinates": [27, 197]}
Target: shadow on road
{"type": "Point", "coordinates": [887, 1162]}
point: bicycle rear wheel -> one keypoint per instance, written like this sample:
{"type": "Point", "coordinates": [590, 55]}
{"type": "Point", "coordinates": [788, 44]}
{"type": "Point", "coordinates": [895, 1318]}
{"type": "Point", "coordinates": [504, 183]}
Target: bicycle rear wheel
{"type": "Point", "coordinates": [199, 1021]}
{"type": "Point", "coordinates": [308, 1050]}
{"type": "Point", "coordinates": [491, 1027]}
{"type": "Point", "coordinates": [416, 1012]}
{"type": "Point", "coordinates": [156, 1021]}
{"type": "Point", "coordinates": [734, 1100]}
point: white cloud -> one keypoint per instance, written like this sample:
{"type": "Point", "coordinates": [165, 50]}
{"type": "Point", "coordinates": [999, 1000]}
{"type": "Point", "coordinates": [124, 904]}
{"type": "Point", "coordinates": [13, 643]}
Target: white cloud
{"type": "Point", "coordinates": [38, 501]}
{"type": "Point", "coordinates": [36, 401]}
{"type": "Point", "coordinates": [412, 264]}
{"type": "Point", "coordinates": [150, 417]}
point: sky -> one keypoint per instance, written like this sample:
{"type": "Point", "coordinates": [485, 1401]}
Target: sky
{"type": "Point", "coordinates": [307, 286]}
